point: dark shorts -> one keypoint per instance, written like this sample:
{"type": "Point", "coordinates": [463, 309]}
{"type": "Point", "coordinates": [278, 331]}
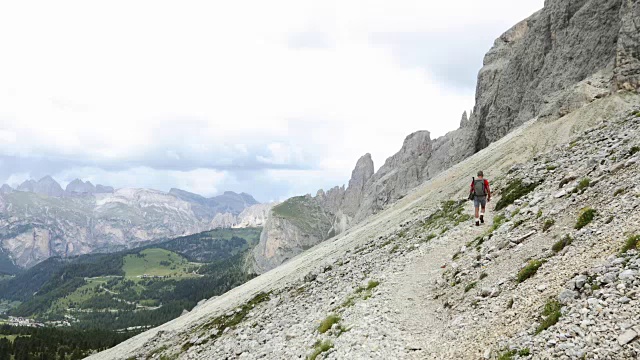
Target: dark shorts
{"type": "Point", "coordinates": [480, 201]}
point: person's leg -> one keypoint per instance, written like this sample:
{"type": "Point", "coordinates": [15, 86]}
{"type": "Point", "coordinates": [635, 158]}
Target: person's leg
{"type": "Point", "coordinates": [476, 204]}
{"type": "Point", "coordinates": [482, 214]}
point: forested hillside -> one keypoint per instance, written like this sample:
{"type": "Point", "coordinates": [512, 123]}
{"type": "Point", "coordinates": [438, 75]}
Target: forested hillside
{"type": "Point", "coordinates": [121, 293]}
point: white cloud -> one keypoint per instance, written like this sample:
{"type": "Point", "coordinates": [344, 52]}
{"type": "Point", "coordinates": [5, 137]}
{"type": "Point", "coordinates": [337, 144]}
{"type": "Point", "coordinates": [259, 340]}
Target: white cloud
{"type": "Point", "coordinates": [160, 85]}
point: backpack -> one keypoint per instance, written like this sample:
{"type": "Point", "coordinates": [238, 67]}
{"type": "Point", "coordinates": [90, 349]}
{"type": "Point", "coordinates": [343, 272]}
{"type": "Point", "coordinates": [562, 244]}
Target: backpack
{"type": "Point", "coordinates": [479, 188]}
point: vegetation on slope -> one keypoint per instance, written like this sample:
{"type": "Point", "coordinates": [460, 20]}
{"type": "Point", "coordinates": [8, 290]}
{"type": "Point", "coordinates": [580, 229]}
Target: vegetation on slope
{"type": "Point", "coordinates": [133, 289]}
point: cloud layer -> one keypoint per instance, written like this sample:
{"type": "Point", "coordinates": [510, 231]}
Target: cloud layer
{"type": "Point", "coordinates": [272, 98]}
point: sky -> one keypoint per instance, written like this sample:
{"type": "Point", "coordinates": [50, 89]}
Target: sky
{"type": "Point", "coordinates": [272, 98]}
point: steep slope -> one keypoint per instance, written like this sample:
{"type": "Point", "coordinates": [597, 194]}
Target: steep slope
{"type": "Point", "coordinates": [558, 60]}
{"type": "Point", "coordinates": [389, 278]}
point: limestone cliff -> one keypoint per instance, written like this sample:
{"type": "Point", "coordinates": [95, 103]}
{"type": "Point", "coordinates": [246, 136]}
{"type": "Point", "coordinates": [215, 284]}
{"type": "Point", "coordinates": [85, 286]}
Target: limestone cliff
{"type": "Point", "coordinates": [41, 220]}
{"type": "Point", "coordinates": [561, 58]}
{"type": "Point", "coordinates": [252, 216]}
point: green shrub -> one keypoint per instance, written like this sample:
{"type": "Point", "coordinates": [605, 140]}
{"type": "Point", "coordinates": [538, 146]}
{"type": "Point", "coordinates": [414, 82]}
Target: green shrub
{"type": "Point", "coordinates": [514, 191]}
{"type": "Point", "coordinates": [507, 355]}
{"type": "Point", "coordinates": [498, 220]}
{"type": "Point", "coordinates": [634, 150]}
{"type": "Point", "coordinates": [470, 286]}
{"type": "Point", "coordinates": [518, 223]}
{"type": "Point", "coordinates": [524, 352]}
{"type": "Point", "coordinates": [633, 242]}
{"type": "Point", "coordinates": [582, 185]}
{"type": "Point", "coordinates": [327, 323]}
{"type": "Point", "coordinates": [548, 224]}
{"type": "Point", "coordinates": [483, 275]}
{"type": "Point", "coordinates": [319, 347]}
{"type": "Point", "coordinates": [551, 314]}
{"type": "Point", "coordinates": [586, 216]}
{"type": "Point", "coordinates": [539, 214]}
{"type": "Point", "coordinates": [618, 192]}
{"type": "Point", "coordinates": [529, 270]}
{"type": "Point", "coordinates": [562, 243]}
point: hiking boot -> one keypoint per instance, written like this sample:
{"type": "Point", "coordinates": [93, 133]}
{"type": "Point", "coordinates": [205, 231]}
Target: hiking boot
{"type": "Point", "coordinates": [482, 219]}
{"type": "Point", "coordinates": [477, 223]}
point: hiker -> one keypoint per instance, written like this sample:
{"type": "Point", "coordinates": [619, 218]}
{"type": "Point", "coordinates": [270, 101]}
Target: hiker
{"type": "Point", "coordinates": [481, 194]}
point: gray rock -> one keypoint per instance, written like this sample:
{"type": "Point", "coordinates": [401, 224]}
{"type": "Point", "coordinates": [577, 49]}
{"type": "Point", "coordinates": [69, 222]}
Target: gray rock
{"type": "Point", "coordinates": [566, 296]}
{"type": "Point", "coordinates": [626, 337]}
{"type": "Point", "coordinates": [628, 275]}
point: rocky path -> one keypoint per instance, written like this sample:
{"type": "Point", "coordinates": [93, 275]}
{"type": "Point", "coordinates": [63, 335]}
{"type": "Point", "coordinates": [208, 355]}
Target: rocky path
{"type": "Point", "coordinates": [421, 315]}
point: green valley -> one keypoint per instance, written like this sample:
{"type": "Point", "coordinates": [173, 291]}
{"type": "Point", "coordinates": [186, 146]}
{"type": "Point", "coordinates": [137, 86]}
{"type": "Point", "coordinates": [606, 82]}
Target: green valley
{"type": "Point", "coordinates": [128, 291]}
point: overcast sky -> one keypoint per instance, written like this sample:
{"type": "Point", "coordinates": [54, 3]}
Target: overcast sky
{"type": "Point", "coordinates": [273, 98]}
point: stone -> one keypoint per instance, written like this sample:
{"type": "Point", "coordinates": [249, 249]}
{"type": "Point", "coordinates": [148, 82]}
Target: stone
{"type": "Point", "coordinates": [628, 275]}
{"type": "Point", "coordinates": [566, 296]}
{"type": "Point", "coordinates": [627, 337]}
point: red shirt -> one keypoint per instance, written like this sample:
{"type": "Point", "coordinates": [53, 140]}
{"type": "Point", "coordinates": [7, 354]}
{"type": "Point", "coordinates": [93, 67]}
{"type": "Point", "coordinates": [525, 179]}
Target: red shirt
{"type": "Point", "coordinates": [486, 186]}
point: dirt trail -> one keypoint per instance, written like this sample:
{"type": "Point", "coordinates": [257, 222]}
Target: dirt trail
{"type": "Point", "coordinates": [421, 313]}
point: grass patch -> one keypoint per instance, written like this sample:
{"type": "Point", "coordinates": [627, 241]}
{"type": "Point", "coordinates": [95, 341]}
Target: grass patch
{"type": "Point", "coordinates": [548, 224]}
{"type": "Point", "coordinates": [518, 223]}
{"type": "Point", "coordinates": [363, 292]}
{"type": "Point", "coordinates": [586, 216]}
{"type": "Point", "coordinates": [514, 191]}
{"type": "Point", "coordinates": [582, 185]}
{"type": "Point", "coordinates": [539, 214]}
{"type": "Point", "coordinates": [529, 270]}
{"type": "Point", "coordinates": [156, 262]}
{"type": "Point", "coordinates": [498, 220]}
{"type": "Point", "coordinates": [551, 314]}
{"type": "Point", "coordinates": [634, 150]}
{"type": "Point", "coordinates": [633, 242]}
{"type": "Point", "coordinates": [562, 243]}
{"type": "Point", "coordinates": [222, 322]}
{"type": "Point", "coordinates": [319, 347]}
{"type": "Point", "coordinates": [524, 352]}
{"type": "Point", "coordinates": [619, 191]}
{"type": "Point", "coordinates": [470, 286]}
{"type": "Point", "coordinates": [449, 212]}
{"type": "Point", "coordinates": [483, 275]}
{"type": "Point", "coordinates": [507, 355]}
{"type": "Point", "coordinates": [372, 284]}
{"type": "Point", "coordinates": [328, 322]}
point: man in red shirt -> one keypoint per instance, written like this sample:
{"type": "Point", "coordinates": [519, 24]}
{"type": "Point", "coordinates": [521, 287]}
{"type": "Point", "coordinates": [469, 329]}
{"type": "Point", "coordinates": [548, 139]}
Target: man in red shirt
{"type": "Point", "coordinates": [482, 195]}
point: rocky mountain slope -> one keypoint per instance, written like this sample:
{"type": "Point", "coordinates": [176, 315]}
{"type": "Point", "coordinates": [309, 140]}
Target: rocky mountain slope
{"type": "Point", "coordinates": [561, 58]}
{"type": "Point", "coordinates": [40, 220]}
{"type": "Point", "coordinates": [417, 280]}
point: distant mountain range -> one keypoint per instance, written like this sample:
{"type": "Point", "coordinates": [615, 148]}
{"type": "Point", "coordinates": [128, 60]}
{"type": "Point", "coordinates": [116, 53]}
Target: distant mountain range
{"type": "Point", "coordinates": [40, 219]}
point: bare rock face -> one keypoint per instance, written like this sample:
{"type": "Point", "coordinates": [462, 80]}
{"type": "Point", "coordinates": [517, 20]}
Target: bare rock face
{"type": "Point", "coordinates": [48, 186]}
{"type": "Point", "coordinates": [360, 176]}
{"type": "Point", "coordinates": [79, 187]}
{"type": "Point", "coordinates": [224, 221]}
{"type": "Point", "coordinates": [627, 68]}
{"type": "Point", "coordinates": [401, 172]}
{"type": "Point", "coordinates": [27, 185]}
{"type": "Point", "coordinates": [561, 58]}
{"type": "Point", "coordinates": [6, 189]}
{"type": "Point", "coordinates": [533, 69]}
{"type": "Point", "coordinates": [40, 223]}
{"type": "Point", "coordinates": [252, 216]}
{"type": "Point", "coordinates": [292, 227]}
